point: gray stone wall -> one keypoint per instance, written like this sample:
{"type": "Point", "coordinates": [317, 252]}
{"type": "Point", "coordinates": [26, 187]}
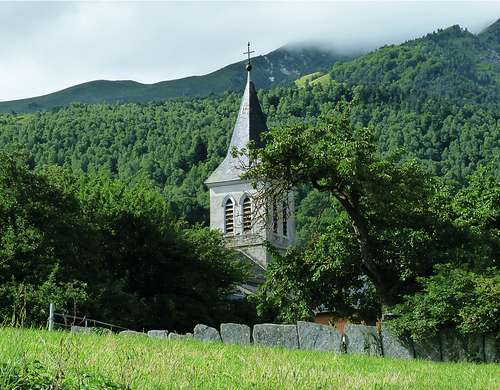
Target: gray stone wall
{"type": "Point", "coordinates": [355, 339]}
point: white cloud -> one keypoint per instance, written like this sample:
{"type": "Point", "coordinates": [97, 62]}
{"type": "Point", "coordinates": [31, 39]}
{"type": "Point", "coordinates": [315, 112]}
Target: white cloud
{"type": "Point", "coordinates": [45, 47]}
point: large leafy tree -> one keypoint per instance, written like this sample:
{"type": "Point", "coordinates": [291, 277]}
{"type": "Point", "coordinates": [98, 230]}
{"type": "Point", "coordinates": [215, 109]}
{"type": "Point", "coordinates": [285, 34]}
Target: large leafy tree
{"type": "Point", "coordinates": [466, 295]}
{"type": "Point", "coordinates": [390, 201]}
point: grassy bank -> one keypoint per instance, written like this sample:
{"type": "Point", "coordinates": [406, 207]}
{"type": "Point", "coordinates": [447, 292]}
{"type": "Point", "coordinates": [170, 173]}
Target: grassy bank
{"type": "Point", "coordinates": [31, 358]}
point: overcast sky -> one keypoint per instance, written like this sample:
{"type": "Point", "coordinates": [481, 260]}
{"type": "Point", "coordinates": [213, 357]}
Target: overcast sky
{"type": "Point", "coordinates": [45, 47]}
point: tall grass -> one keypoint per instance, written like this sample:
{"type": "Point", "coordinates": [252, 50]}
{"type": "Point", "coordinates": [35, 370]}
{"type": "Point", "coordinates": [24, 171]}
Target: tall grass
{"type": "Point", "coordinates": [58, 360]}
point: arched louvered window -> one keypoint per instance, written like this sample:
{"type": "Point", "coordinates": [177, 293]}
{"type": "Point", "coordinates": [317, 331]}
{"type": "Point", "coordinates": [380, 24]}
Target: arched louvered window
{"type": "Point", "coordinates": [275, 217]}
{"type": "Point", "coordinates": [285, 219]}
{"type": "Point", "coordinates": [229, 216]}
{"type": "Point", "coordinates": [247, 215]}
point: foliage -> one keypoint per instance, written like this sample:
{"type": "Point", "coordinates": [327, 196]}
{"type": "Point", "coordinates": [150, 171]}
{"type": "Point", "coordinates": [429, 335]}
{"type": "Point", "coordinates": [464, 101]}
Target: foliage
{"type": "Point", "coordinates": [449, 121]}
{"type": "Point", "coordinates": [142, 363]}
{"type": "Point", "coordinates": [324, 273]}
{"type": "Point", "coordinates": [394, 220]}
{"type": "Point", "coordinates": [437, 96]}
{"type": "Point", "coordinates": [28, 301]}
{"type": "Point", "coordinates": [109, 249]}
{"type": "Point", "coordinates": [464, 294]}
{"type": "Point", "coordinates": [454, 298]}
{"type": "Point", "coordinates": [389, 200]}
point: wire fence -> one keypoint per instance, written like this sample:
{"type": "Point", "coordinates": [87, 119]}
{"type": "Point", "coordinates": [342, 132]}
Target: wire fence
{"type": "Point", "coordinates": [67, 321]}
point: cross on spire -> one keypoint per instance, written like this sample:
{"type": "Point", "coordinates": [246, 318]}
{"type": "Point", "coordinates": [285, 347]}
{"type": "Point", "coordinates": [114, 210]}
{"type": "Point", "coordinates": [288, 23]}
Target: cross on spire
{"type": "Point", "coordinates": [248, 52]}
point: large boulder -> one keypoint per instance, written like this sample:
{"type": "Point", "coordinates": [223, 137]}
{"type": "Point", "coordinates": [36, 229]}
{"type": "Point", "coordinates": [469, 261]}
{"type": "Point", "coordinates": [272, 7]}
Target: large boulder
{"type": "Point", "coordinates": [318, 337]}
{"type": "Point", "coordinates": [491, 349]}
{"type": "Point", "coordinates": [273, 335]}
{"type": "Point", "coordinates": [457, 347]}
{"type": "Point", "coordinates": [392, 346]}
{"type": "Point", "coordinates": [235, 333]}
{"type": "Point", "coordinates": [158, 334]}
{"type": "Point", "coordinates": [362, 339]}
{"type": "Point", "coordinates": [206, 333]}
{"type": "Point", "coordinates": [428, 349]}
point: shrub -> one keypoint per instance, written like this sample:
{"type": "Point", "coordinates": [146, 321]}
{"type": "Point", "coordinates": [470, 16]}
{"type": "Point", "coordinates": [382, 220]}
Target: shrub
{"type": "Point", "coordinates": [451, 297]}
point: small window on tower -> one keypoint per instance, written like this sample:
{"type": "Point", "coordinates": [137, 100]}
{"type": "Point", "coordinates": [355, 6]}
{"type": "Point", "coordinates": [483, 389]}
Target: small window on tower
{"type": "Point", "coordinates": [247, 215]}
{"type": "Point", "coordinates": [285, 219]}
{"type": "Point", "coordinates": [275, 217]}
{"type": "Point", "coordinates": [229, 216]}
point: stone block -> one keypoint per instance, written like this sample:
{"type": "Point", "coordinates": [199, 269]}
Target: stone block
{"type": "Point", "coordinates": [235, 333]}
{"type": "Point", "coordinates": [177, 336]}
{"type": "Point", "coordinates": [491, 349]}
{"type": "Point", "coordinates": [394, 347]}
{"type": "Point", "coordinates": [273, 335]}
{"type": "Point", "coordinates": [79, 329]}
{"type": "Point", "coordinates": [206, 333]}
{"type": "Point", "coordinates": [318, 337]}
{"type": "Point", "coordinates": [158, 334]}
{"type": "Point", "coordinates": [94, 330]}
{"type": "Point", "coordinates": [428, 349]}
{"type": "Point", "coordinates": [101, 331]}
{"type": "Point", "coordinates": [457, 348]}
{"type": "Point", "coordinates": [362, 339]}
{"type": "Point", "coordinates": [131, 333]}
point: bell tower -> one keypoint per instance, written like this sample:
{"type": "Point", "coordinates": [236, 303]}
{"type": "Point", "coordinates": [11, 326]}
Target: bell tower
{"type": "Point", "coordinates": [233, 210]}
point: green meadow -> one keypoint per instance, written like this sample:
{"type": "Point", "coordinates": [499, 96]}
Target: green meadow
{"type": "Point", "coordinates": [34, 359]}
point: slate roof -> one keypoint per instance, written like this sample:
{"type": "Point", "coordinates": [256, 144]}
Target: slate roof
{"type": "Point", "coordinates": [249, 125]}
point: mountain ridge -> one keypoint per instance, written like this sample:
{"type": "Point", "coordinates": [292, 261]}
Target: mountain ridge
{"type": "Point", "coordinates": [279, 67]}
{"type": "Point", "coordinates": [437, 97]}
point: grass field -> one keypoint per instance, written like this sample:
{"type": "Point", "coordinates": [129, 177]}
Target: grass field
{"type": "Point", "coordinates": [32, 359]}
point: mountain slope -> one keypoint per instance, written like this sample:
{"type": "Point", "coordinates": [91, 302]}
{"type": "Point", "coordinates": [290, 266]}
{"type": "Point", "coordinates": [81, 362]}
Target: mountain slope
{"type": "Point", "coordinates": [436, 96]}
{"type": "Point", "coordinates": [279, 67]}
{"type": "Point", "coordinates": [450, 64]}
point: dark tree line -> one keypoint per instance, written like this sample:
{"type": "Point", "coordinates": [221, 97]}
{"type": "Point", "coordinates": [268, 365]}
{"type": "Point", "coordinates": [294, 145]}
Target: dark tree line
{"type": "Point", "coordinates": [131, 172]}
{"type": "Point", "coordinates": [101, 247]}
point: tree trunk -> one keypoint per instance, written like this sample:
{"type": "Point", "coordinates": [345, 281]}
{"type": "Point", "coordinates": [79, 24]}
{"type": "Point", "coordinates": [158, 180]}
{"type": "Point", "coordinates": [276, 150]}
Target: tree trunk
{"type": "Point", "coordinates": [360, 227]}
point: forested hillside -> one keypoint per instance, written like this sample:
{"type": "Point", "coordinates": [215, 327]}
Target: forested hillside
{"type": "Point", "coordinates": [113, 240]}
{"type": "Point", "coordinates": [279, 67]}
{"type": "Point", "coordinates": [438, 97]}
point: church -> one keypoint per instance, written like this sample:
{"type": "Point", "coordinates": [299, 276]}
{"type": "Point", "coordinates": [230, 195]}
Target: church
{"type": "Point", "coordinates": [248, 226]}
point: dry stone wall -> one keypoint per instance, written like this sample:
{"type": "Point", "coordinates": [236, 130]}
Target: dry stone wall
{"type": "Point", "coordinates": [356, 339]}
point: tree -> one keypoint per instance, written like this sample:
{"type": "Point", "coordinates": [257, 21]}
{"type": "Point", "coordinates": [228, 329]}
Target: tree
{"type": "Point", "coordinates": [464, 294]}
{"type": "Point", "coordinates": [112, 248]}
{"type": "Point", "coordinates": [390, 201]}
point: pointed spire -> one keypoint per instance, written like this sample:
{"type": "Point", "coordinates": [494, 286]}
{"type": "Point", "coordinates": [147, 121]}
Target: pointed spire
{"type": "Point", "coordinates": [249, 126]}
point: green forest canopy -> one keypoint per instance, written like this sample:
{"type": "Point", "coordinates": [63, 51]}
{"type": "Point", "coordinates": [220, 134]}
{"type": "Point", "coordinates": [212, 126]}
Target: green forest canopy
{"type": "Point", "coordinates": [440, 102]}
{"type": "Point", "coordinates": [437, 97]}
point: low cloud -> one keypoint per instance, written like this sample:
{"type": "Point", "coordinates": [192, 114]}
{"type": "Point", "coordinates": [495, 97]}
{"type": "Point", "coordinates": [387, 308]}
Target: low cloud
{"type": "Point", "coordinates": [45, 47]}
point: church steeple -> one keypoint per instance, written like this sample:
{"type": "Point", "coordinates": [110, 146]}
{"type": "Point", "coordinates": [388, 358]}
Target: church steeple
{"type": "Point", "coordinates": [234, 209]}
{"type": "Point", "coordinates": [249, 126]}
